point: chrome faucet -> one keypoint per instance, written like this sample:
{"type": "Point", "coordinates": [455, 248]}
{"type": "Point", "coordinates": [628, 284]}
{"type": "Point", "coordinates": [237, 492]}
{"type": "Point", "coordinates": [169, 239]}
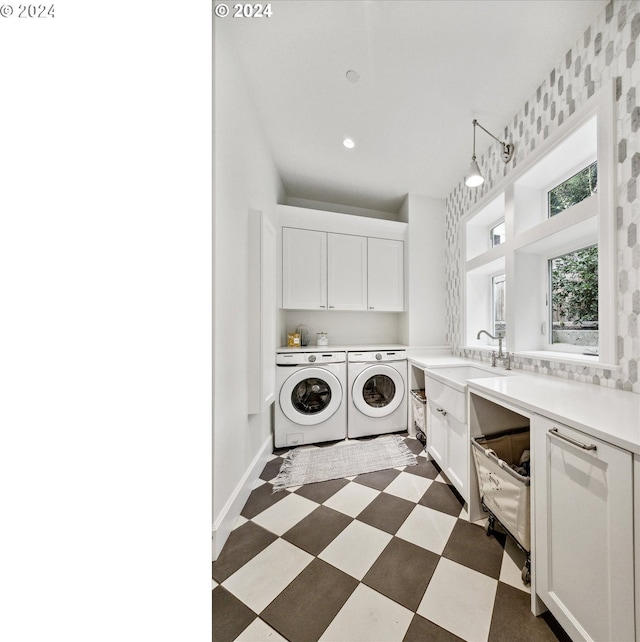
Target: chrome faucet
{"type": "Point", "coordinates": [500, 356]}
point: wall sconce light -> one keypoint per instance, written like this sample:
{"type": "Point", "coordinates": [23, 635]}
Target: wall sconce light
{"type": "Point", "coordinates": [474, 177]}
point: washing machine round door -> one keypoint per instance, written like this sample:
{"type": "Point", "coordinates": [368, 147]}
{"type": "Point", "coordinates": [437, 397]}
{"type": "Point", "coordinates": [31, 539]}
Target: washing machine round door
{"type": "Point", "coordinates": [378, 391]}
{"type": "Point", "coordinates": [310, 396]}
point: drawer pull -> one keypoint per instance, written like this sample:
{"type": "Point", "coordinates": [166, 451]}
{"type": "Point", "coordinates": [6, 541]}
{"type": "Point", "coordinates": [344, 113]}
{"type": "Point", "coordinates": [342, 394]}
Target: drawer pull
{"type": "Point", "coordinates": [572, 441]}
{"type": "Point", "coordinates": [442, 412]}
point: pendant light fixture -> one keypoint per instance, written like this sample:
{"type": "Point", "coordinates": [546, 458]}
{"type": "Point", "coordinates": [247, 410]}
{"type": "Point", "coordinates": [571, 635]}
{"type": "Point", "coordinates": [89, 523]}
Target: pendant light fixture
{"type": "Point", "coordinates": [474, 175]}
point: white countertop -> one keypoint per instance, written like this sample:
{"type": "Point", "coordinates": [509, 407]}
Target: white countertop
{"type": "Point", "coordinates": [604, 413]}
{"type": "Point", "coordinates": [344, 348]}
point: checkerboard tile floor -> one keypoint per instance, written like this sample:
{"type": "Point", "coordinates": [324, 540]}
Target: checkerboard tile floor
{"type": "Point", "coordinates": [381, 556]}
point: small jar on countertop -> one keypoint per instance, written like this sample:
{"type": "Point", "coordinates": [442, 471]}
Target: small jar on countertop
{"type": "Point", "coordinates": [304, 335]}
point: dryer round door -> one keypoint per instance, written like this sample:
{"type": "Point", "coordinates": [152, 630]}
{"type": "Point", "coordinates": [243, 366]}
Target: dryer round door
{"type": "Point", "coordinates": [378, 391]}
{"type": "Point", "coordinates": [310, 396]}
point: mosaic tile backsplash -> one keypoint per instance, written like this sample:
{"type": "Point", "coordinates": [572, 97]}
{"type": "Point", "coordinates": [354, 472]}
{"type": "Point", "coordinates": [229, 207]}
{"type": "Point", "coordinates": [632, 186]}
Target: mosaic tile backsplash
{"type": "Point", "coordinates": [608, 52]}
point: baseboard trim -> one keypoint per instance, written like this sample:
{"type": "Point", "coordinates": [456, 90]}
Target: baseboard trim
{"type": "Point", "coordinates": [223, 526]}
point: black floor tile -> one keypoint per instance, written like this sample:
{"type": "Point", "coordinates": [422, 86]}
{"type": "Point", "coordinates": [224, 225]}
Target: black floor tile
{"type": "Point", "coordinates": [514, 606]}
{"type": "Point", "coordinates": [414, 445]}
{"type": "Point", "coordinates": [424, 468]}
{"type": "Point", "coordinates": [422, 630]}
{"type": "Point", "coordinates": [378, 480]}
{"type": "Point", "coordinates": [260, 499]}
{"type": "Point", "coordinates": [306, 607]}
{"type": "Point", "coordinates": [230, 616]}
{"type": "Point", "coordinates": [444, 498]}
{"type": "Point", "coordinates": [386, 512]}
{"type": "Point", "coordinates": [317, 530]}
{"type": "Point", "coordinates": [402, 572]}
{"type": "Point", "coordinates": [321, 491]}
{"type": "Point", "coordinates": [272, 469]}
{"type": "Point", "coordinates": [469, 545]}
{"type": "Point", "coordinates": [244, 543]}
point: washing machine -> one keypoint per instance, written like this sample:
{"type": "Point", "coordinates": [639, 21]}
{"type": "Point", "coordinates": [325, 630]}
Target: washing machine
{"type": "Point", "coordinates": [312, 398]}
{"type": "Point", "coordinates": [377, 392]}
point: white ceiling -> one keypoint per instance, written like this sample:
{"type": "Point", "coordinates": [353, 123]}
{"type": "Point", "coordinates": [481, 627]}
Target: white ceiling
{"type": "Point", "coordinates": [427, 68]}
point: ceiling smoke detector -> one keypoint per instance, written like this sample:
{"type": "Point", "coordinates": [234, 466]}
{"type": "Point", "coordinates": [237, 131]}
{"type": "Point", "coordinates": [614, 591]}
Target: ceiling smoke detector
{"type": "Point", "coordinates": [348, 143]}
{"type": "Point", "coordinates": [352, 76]}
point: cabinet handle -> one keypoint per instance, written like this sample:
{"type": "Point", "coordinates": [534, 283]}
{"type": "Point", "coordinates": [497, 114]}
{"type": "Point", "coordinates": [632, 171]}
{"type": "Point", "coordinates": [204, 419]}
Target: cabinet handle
{"type": "Point", "coordinates": [322, 306]}
{"type": "Point", "coordinates": [442, 412]}
{"type": "Point", "coordinates": [371, 307]}
{"type": "Point", "coordinates": [555, 432]}
{"type": "Point", "coordinates": [332, 306]}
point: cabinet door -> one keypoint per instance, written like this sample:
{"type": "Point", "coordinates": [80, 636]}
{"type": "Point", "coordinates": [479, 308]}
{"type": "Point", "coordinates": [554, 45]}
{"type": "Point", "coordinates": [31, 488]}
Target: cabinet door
{"type": "Point", "coordinates": [436, 434]}
{"type": "Point", "coordinates": [457, 464]}
{"type": "Point", "coordinates": [261, 338]}
{"type": "Point", "coordinates": [346, 272]}
{"type": "Point", "coordinates": [304, 269]}
{"type": "Point", "coordinates": [385, 275]}
{"type": "Point", "coordinates": [583, 532]}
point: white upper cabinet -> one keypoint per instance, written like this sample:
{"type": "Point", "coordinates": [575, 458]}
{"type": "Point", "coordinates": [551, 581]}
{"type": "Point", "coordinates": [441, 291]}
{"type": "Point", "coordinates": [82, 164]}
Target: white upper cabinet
{"type": "Point", "coordinates": [304, 269]}
{"type": "Point", "coordinates": [334, 261]}
{"type": "Point", "coordinates": [385, 275]}
{"type": "Point", "coordinates": [346, 272]}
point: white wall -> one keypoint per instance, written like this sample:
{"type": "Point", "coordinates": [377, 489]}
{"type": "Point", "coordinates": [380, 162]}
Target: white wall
{"type": "Point", "coordinates": [345, 327]}
{"type": "Point", "coordinates": [245, 178]}
{"type": "Point", "coordinates": [424, 323]}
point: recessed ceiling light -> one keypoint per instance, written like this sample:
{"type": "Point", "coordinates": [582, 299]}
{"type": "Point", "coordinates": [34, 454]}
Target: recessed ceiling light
{"type": "Point", "coordinates": [348, 143]}
{"type": "Point", "coordinates": [352, 76]}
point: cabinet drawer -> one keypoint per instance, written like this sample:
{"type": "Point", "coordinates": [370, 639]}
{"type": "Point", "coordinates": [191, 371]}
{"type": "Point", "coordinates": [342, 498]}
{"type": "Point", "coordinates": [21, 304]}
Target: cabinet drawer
{"type": "Point", "coordinates": [447, 398]}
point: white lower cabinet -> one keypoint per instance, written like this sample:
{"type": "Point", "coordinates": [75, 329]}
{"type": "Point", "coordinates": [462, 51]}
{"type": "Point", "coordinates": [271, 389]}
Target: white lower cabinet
{"type": "Point", "coordinates": [584, 538]}
{"type": "Point", "coordinates": [437, 434]}
{"type": "Point", "coordinates": [448, 444]}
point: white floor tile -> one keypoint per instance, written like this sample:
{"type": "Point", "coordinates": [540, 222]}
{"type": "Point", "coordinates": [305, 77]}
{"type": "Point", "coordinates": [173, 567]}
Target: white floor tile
{"type": "Point", "coordinates": [460, 600]}
{"type": "Point", "coordinates": [356, 549]}
{"type": "Point", "coordinates": [260, 580]}
{"type": "Point", "coordinates": [367, 615]}
{"type": "Point", "coordinates": [285, 514]}
{"type": "Point", "coordinates": [352, 499]}
{"type": "Point", "coordinates": [427, 528]}
{"type": "Point", "coordinates": [408, 486]}
{"type": "Point", "coordinates": [259, 631]}
{"type": "Point", "coordinates": [512, 562]}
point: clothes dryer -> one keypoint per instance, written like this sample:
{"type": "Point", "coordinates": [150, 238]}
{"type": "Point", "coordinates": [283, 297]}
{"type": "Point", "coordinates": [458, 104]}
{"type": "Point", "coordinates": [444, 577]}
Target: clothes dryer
{"type": "Point", "coordinates": [377, 392]}
{"type": "Point", "coordinates": [312, 398]}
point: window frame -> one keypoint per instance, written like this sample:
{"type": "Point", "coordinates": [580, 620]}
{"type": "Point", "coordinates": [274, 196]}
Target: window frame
{"type": "Point", "coordinates": [565, 176]}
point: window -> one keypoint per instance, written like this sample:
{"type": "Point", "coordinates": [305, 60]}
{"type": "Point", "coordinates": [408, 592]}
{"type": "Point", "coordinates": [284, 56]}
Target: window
{"type": "Point", "coordinates": [573, 281]}
{"type": "Point", "coordinates": [498, 234]}
{"type": "Point", "coordinates": [498, 305]}
{"type": "Point", "coordinates": [559, 251]}
{"type": "Point", "coordinates": [573, 190]}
